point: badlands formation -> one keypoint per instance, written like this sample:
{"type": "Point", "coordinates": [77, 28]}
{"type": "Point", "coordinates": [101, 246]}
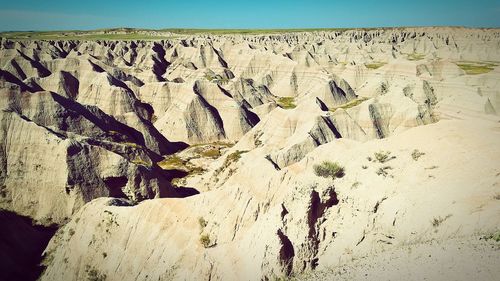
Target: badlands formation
{"type": "Point", "coordinates": [195, 157]}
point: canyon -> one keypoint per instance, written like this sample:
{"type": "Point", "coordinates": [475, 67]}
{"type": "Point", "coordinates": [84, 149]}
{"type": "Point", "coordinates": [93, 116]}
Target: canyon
{"type": "Point", "coordinates": [195, 157]}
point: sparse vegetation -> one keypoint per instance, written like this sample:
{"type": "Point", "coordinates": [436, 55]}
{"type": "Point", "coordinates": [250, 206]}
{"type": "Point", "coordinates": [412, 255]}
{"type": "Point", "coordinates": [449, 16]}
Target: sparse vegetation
{"type": "Point", "coordinates": [210, 153]}
{"type": "Point", "coordinates": [493, 236]}
{"type": "Point", "coordinates": [416, 154]}
{"type": "Point", "coordinates": [216, 143]}
{"type": "Point", "coordinates": [202, 222]}
{"type": "Point", "coordinates": [206, 150]}
{"type": "Point", "coordinates": [364, 167]}
{"type": "Point", "coordinates": [384, 88]}
{"type": "Point", "coordinates": [329, 169]}
{"type": "Point", "coordinates": [383, 156]}
{"type": "Point", "coordinates": [349, 104]}
{"type": "Point", "coordinates": [437, 221]}
{"type": "Point", "coordinates": [94, 275]}
{"type": "Point", "coordinates": [383, 171]}
{"type": "Point", "coordinates": [173, 162]}
{"type": "Point", "coordinates": [257, 142]}
{"type": "Point", "coordinates": [286, 102]}
{"type": "Point", "coordinates": [474, 68]}
{"type": "Point", "coordinates": [205, 240]}
{"type": "Point", "coordinates": [216, 78]}
{"type": "Point", "coordinates": [131, 144]}
{"type": "Point", "coordinates": [139, 161]}
{"type": "Point", "coordinates": [496, 196]}
{"type": "Point", "coordinates": [233, 157]}
{"type": "Point", "coordinates": [110, 221]}
{"type": "Point", "coordinates": [374, 65]}
{"type": "Point", "coordinates": [230, 159]}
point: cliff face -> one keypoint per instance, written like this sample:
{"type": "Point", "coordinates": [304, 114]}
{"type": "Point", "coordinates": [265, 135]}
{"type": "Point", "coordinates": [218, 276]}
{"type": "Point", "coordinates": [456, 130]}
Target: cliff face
{"type": "Point", "coordinates": [81, 120]}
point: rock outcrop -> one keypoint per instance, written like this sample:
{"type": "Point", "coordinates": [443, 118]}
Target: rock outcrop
{"type": "Point", "coordinates": [195, 157]}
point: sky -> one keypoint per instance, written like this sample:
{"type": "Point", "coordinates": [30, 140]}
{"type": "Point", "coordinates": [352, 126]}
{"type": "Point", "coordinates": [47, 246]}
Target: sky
{"type": "Point", "coordinates": [154, 14]}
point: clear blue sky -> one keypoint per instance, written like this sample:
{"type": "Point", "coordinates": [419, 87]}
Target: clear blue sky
{"type": "Point", "coordinates": [92, 14]}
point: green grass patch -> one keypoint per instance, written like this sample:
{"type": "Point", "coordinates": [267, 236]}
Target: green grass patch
{"type": "Point", "coordinates": [349, 104]}
{"type": "Point", "coordinates": [415, 56]}
{"type": "Point", "coordinates": [210, 153]}
{"type": "Point", "coordinates": [131, 144]}
{"type": "Point", "coordinates": [234, 157]}
{"type": "Point", "coordinates": [173, 162]}
{"type": "Point", "coordinates": [474, 68]}
{"type": "Point", "coordinates": [215, 78]}
{"type": "Point", "coordinates": [286, 102]}
{"type": "Point", "coordinates": [374, 65]}
{"type": "Point", "coordinates": [137, 160]}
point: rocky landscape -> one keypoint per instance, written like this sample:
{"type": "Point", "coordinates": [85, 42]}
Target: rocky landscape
{"type": "Point", "coordinates": [344, 154]}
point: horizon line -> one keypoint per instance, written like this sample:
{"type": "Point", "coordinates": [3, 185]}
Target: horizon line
{"type": "Point", "coordinates": [250, 29]}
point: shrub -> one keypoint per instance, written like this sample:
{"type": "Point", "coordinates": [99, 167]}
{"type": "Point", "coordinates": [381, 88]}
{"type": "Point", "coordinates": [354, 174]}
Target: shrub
{"type": "Point", "coordinates": [382, 171]}
{"type": "Point", "coordinates": [205, 240]}
{"type": "Point", "coordinates": [202, 222]}
{"type": "Point", "coordinates": [439, 220]}
{"type": "Point", "coordinates": [94, 275]}
{"type": "Point", "coordinates": [416, 154]}
{"type": "Point", "coordinates": [329, 169]}
{"type": "Point", "coordinates": [383, 156]}
{"type": "Point", "coordinates": [494, 236]}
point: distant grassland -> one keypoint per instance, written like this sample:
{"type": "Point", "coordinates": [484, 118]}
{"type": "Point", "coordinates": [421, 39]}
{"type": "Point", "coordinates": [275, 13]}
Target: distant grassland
{"type": "Point", "coordinates": [167, 33]}
{"type": "Point", "coordinates": [145, 34]}
{"type": "Point", "coordinates": [77, 35]}
{"type": "Point", "coordinates": [247, 31]}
